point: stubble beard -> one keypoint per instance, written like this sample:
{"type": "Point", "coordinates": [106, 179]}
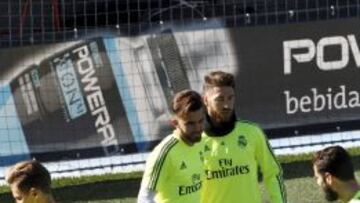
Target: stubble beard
{"type": "Point", "coordinates": [330, 194]}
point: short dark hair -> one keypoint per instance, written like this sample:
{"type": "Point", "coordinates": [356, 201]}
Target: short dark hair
{"type": "Point", "coordinates": [186, 101]}
{"type": "Point", "coordinates": [28, 174]}
{"type": "Point", "coordinates": [218, 79]}
{"type": "Point", "coordinates": [336, 161]}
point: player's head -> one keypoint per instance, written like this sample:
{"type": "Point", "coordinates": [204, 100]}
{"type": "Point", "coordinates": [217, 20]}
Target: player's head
{"type": "Point", "coordinates": [187, 107]}
{"type": "Point", "coordinates": [219, 95]}
{"type": "Point", "coordinates": [29, 182]}
{"type": "Point", "coordinates": [332, 168]}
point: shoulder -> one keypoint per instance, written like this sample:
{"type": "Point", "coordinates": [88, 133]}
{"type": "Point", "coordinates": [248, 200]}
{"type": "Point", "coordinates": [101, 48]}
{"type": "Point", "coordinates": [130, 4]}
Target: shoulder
{"type": "Point", "coordinates": [164, 147]}
{"type": "Point", "coordinates": [356, 198]}
{"type": "Point", "coordinates": [247, 125]}
{"type": "Point", "coordinates": [249, 130]}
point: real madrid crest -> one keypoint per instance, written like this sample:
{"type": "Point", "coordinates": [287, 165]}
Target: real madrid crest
{"type": "Point", "coordinates": [242, 142]}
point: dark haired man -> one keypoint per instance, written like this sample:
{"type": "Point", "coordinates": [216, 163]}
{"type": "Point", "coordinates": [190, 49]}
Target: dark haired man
{"type": "Point", "coordinates": [30, 182]}
{"type": "Point", "coordinates": [334, 173]}
{"type": "Point", "coordinates": [174, 168]}
{"type": "Point", "coordinates": [235, 150]}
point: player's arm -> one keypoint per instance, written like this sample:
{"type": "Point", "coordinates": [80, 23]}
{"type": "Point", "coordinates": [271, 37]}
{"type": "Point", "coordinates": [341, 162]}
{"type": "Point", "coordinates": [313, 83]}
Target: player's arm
{"type": "Point", "coordinates": [154, 177]}
{"type": "Point", "coordinates": [146, 195]}
{"type": "Point", "coordinates": [270, 168]}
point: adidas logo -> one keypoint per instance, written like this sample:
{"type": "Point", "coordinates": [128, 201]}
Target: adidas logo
{"type": "Point", "coordinates": [201, 156]}
{"type": "Point", "coordinates": [183, 166]}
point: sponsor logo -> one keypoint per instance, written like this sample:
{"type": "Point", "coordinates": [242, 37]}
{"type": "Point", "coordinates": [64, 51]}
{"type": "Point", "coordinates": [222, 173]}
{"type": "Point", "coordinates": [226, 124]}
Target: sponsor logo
{"type": "Point", "coordinates": [316, 101]}
{"type": "Point", "coordinates": [183, 165]}
{"type": "Point", "coordinates": [70, 86]}
{"type": "Point", "coordinates": [227, 169]}
{"type": "Point", "coordinates": [201, 156]}
{"type": "Point", "coordinates": [347, 45]}
{"type": "Point", "coordinates": [95, 100]}
{"type": "Point", "coordinates": [227, 172]}
{"type": "Point", "coordinates": [206, 148]}
{"type": "Point", "coordinates": [196, 185]}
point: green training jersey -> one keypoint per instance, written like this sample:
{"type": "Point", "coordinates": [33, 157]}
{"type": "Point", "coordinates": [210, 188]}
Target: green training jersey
{"type": "Point", "coordinates": [231, 165]}
{"type": "Point", "coordinates": [174, 170]}
{"type": "Point", "coordinates": [356, 198]}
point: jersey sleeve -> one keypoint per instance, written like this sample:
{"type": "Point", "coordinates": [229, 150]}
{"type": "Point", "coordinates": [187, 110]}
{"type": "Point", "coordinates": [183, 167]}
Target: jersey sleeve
{"type": "Point", "coordinates": [270, 168]}
{"type": "Point", "coordinates": [158, 166]}
{"type": "Point", "coordinates": [146, 195]}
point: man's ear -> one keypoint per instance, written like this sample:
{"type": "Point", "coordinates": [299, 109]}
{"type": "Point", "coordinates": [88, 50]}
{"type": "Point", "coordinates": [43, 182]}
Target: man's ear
{"type": "Point", "coordinates": [174, 122]}
{"type": "Point", "coordinates": [205, 99]}
{"type": "Point", "coordinates": [33, 192]}
{"type": "Point", "coordinates": [328, 178]}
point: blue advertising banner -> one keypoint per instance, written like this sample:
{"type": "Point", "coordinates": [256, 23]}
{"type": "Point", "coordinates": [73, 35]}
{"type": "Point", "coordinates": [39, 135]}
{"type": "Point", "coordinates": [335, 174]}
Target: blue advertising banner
{"type": "Point", "coordinates": [106, 95]}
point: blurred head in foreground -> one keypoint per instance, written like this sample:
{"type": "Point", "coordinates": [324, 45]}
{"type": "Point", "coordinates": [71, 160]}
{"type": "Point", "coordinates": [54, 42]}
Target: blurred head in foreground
{"type": "Point", "coordinates": [30, 182]}
{"type": "Point", "coordinates": [334, 173]}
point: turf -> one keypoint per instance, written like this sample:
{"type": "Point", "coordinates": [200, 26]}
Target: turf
{"type": "Point", "coordinates": [299, 190]}
{"type": "Point", "coordinates": [123, 188]}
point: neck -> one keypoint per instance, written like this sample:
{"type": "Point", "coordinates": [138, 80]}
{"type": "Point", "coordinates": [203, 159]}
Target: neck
{"type": "Point", "coordinates": [187, 142]}
{"type": "Point", "coordinates": [216, 128]}
{"type": "Point", "coordinates": [216, 124]}
{"type": "Point", "coordinates": [52, 200]}
{"type": "Point", "coordinates": [348, 191]}
{"type": "Point", "coordinates": [44, 197]}
{"type": "Point", "coordinates": [49, 198]}
{"type": "Point", "coordinates": [183, 138]}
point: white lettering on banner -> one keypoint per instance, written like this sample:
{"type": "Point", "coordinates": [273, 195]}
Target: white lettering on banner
{"type": "Point", "coordinates": [96, 100]}
{"type": "Point", "coordinates": [316, 101]}
{"type": "Point", "coordinates": [346, 44]}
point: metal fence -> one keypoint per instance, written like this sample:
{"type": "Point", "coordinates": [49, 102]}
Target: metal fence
{"type": "Point", "coordinates": [44, 22]}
